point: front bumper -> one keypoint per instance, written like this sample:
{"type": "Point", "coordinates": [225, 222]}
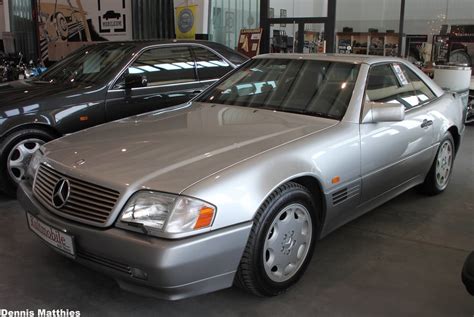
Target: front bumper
{"type": "Point", "coordinates": [167, 269]}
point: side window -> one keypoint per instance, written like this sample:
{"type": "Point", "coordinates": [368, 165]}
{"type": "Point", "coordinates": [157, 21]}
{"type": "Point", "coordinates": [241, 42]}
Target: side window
{"type": "Point", "coordinates": [421, 90]}
{"type": "Point", "coordinates": [384, 85]}
{"type": "Point", "coordinates": [209, 65]}
{"type": "Point", "coordinates": [165, 65]}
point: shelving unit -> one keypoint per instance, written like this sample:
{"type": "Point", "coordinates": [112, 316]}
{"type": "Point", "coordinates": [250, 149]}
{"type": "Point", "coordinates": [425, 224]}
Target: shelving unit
{"type": "Point", "coordinates": [383, 44]}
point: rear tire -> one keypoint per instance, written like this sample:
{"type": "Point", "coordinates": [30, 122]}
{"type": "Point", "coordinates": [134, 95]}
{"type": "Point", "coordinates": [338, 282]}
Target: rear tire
{"type": "Point", "coordinates": [281, 242]}
{"type": "Point", "coordinates": [16, 151]}
{"type": "Point", "coordinates": [440, 172]}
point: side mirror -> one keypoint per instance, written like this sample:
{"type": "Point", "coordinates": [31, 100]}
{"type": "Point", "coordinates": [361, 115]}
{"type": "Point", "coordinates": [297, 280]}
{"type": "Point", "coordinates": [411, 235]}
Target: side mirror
{"type": "Point", "coordinates": [135, 81]}
{"type": "Point", "coordinates": [383, 112]}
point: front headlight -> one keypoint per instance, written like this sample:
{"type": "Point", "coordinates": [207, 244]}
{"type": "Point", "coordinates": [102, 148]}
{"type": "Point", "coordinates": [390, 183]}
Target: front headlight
{"type": "Point", "coordinates": [34, 164]}
{"type": "Point", "coordinates": [166, 213]}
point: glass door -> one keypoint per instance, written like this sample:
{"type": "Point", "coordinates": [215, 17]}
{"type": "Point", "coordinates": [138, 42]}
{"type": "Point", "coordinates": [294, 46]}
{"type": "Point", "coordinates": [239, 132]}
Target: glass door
{"type": "Point", "coordinates": [312, 38]}
{"type": "Point", "coordinates": [297, 38]}
{"type": "Point", "coordinates": [282, 37]}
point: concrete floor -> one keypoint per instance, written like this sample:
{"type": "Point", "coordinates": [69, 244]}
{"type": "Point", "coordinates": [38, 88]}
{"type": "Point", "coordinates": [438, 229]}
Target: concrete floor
{"type": "Point", "coordinates": [402, 259]}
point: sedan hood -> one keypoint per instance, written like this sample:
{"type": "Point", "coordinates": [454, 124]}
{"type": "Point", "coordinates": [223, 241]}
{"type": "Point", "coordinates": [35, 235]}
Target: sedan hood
{"type": "Point", "coordinates": [26, 91]}
{"type": "Point", "coordinates": [172, 149]}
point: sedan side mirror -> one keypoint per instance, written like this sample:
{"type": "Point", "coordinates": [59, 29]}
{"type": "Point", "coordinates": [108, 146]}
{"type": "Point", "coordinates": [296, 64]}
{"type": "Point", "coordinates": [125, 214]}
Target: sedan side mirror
{"type": "Point", "coordinates": [383, 112]}
{"type": "Point", "coordinates": [135, 81]}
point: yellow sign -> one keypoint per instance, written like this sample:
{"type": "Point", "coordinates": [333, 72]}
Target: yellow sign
{"type": "Point", "coordinates": [186, 22]}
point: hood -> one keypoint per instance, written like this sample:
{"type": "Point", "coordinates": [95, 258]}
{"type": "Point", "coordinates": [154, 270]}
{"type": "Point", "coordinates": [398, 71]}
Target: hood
{"type": "Point", "coordinates": [171, 149]}
{"type": "Point", "coordinates": [26, 91]}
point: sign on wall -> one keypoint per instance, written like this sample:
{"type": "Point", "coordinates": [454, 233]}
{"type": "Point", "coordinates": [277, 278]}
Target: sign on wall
{"type": "Point", "coordinates": [186, 22]}
{"type": "Point", "coordinates": [249, 42]}
{"type": "Point", "coordinates": [63, 21]}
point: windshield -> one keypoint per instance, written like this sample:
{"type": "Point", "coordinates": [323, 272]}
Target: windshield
{"type": "Point", "coordinates": [89, 64]}
{"type": "Point", "coordinates": [310, 87]}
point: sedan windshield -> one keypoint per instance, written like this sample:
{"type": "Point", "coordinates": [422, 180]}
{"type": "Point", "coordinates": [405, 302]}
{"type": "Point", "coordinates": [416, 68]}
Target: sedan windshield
{"type": "Point", "coordinates": [89, 64]}
{"type": "Point", "coordinates": [309, 87]}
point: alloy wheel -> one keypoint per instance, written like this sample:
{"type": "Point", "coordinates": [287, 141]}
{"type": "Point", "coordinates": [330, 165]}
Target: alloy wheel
{"type": "Point", "coordinates": [20, 156]}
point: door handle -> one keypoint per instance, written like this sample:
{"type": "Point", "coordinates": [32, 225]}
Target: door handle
{"type": "Point", "coordinates": [426, 123]}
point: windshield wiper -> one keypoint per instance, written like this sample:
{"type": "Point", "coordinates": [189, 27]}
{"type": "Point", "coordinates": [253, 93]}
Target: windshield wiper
{"type": "Point", "coordinates": [311, 113]}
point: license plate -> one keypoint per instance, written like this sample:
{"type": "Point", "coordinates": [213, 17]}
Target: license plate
{"type": "Point", "coordinates": [54, 237]}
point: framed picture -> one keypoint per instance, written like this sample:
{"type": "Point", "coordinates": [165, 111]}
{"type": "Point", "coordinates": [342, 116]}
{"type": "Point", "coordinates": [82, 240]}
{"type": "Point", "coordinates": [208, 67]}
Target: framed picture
{"type": "Point", "coordinates": [283, 14]}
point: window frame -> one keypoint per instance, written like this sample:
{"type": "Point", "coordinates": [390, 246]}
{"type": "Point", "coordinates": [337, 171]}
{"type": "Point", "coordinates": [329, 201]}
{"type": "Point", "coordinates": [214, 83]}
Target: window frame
{"type": "Point", "coordinates": [147, 49]}
{"type": "Point", "coordinates": [193, 51]}
{"type": "Point", "coordinates": [112, 86]}
{"type": "Point", "coordinates": [421, 104]}
{"type": "Point", "coordinates": [365, 97]}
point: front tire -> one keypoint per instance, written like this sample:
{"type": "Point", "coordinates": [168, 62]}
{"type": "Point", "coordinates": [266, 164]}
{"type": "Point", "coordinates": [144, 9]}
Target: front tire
{"type": "Point", "coordinates": [281, 242]}
{"type": "Point", "coordinates": [15, 155]}
{"type": "Point", "coordinates": [439, 175]}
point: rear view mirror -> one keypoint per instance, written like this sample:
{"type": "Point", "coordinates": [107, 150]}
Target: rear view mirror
{"type": "Point", "coordinates": [383, 112]}
{"type": "Point", "coordinates": [135, 81]}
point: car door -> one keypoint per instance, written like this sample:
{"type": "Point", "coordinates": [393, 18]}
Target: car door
{"type": "Point", "coordinates": [210, 66]}
{"type": "Point", "coordinates": [393, 153]}
{"type": "Point", "coordinates": [170, 76]}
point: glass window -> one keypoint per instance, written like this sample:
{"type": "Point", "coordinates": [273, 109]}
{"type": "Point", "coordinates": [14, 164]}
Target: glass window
{"type": "Point", "coordinates": [165, 65]}
{"type": "Point", "coordinates": [368, 15]}
{"type": "Point", "coordinates": [231, 55]}
{"type": "Point", "coordinates": [421, 90]}
{"type": "Point", "coordinates": [89, 64]}
{"type": "Point", "coordinates": [298, 8]}
{"type": "Point", "coordinates": [209, 65]}
{"type": "Point", "coordinates": [384, 85]}
{"type": "Point", "coordinates": [227, 18]}
{"type": "Point", "coordinates": [309, 87]}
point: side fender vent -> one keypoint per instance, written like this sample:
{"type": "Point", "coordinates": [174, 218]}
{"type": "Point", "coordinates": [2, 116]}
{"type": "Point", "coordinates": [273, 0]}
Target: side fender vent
{"type": "Point", "coordinates": [343, 194]}
{"type": "Point", "coordinates": [339, 196]}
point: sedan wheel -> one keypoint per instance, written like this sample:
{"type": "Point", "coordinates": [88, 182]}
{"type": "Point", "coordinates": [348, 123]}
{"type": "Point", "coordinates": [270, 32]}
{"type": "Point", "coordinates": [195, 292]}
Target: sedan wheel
{"type": "Point", "coordinates": [444, 162]}
{"type": "Point", "coordinates": [16, 151]}
{"type": "Point", "coordinates": [20, 156]}
{"type": "Point", "coordinates": [287, 242]}
{"type": "Point", "coordinates": [281, 242]}
{"type": "Point", "coordinates": [437, 179]}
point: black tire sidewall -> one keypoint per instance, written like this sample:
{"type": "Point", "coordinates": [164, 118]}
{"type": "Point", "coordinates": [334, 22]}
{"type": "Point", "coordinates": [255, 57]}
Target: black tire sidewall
{"type": "Point", "coordinates": [7, 185]}
{"type": "Point", "coordinates": [294, 195]}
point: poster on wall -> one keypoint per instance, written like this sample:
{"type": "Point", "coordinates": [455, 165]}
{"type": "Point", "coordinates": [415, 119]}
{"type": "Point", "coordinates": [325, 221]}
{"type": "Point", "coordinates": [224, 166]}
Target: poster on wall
{"type": "Point", "coordinates": [186, 22]}
{"type": "Point", "coordinates": [65, 25]}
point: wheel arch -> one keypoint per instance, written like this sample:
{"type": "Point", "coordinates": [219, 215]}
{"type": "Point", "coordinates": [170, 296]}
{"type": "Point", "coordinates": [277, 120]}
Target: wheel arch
{"type": "Point", "coordinates": [313, 185]}
{"type": "Point", "coordinates": [456, 137]}
{"type": "Point", "coordinates": [38, 125]}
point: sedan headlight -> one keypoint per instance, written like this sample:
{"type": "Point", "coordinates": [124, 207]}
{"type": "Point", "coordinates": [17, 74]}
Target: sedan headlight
{"type": "Point", "coordinates": [34, 164]}
{"type": "Point", "coordinates": [166, 213]}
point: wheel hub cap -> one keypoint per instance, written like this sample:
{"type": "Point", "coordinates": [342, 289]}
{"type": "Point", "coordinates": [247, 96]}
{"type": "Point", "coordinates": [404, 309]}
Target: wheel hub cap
{"type": "Point", "coordinates": [287, 242]}
{"type": "Point", "coordinates": [20, 156]}
{"type": "Point", "coordinates": [444, 164]}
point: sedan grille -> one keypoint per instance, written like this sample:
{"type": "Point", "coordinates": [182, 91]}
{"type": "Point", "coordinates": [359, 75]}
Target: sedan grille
{"type": "Point", "coordinates": [85, 201]}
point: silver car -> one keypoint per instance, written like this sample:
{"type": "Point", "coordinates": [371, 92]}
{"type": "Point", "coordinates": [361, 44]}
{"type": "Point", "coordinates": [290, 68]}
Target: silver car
{"type": "Point", "coordinates": [236, 187]}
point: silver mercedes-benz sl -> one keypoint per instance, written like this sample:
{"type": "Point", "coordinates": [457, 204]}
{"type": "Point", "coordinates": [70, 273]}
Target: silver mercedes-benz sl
{"type": "Point", "coordinates": [236, 187]}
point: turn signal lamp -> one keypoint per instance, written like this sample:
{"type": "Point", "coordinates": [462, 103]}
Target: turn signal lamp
{"type": "Point", "coordinates": [206, 214]}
